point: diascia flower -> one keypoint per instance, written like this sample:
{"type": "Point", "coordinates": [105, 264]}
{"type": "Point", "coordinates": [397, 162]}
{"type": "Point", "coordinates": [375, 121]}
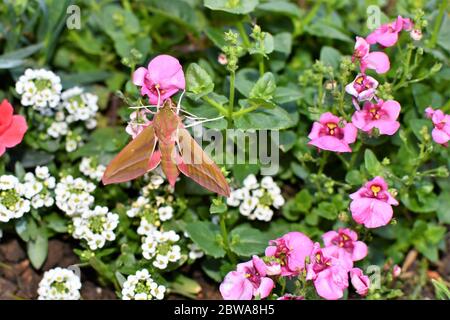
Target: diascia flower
{"type": "Point", "coordinates": [362, 88]}
{"type": "Point", "coordinates": [360, 281]}
{"type": "Point", "coordinates": [381, 115]}
{"type": "Point", "coordinates": [291, 250]}
{"type": "Point", "coordinates": [387, 34]}
{"type": "Point", "coordinates": [248, 281]}
{"type": "Point", "coordinates": [161, 79]}
{"type": "Point", "coordinates": [329, 134]}
{"type": "Point", "coordinates": [378, 61]}
{"type": "Point", "coordinates": [329, 274]}
{"type": "Point", "coordinates": [12, 127]}
{"type": "Point", "coordinates": [441, 122]}
{"type": "Point", "coordinates": [344, 245]}
{"type": "Point", "coordinates": [372, 204]}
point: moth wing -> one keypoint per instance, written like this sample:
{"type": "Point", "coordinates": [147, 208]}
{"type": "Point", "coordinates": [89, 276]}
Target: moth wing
{"type": "Point", "coordinates": [137, 158]}
{"type": "Point", "coordinates": [197, 165]}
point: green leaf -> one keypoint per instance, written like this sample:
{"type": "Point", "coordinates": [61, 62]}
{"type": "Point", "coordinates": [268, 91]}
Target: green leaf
{"type": "Point", "coordinates": [331, 57]}
{"type": "Point", "coordinates": [232, 6]}
{"type": "Point", "coordinates": [185, 286]}
{"type": "Point", "coordinates": [441, 290]}
{"type": "Point", "coordinates": [245, 80]}
{"type": "Point", "coordinates": [217, 206]}
{"type": "Point", "coordinates": [22, 53]}
{"type": "Point", "coordinates": [247, 241]}
{"type": "Point", "coordinates": [324, 30]}
{"type": "Point", "coordinates": [37, 249]}
{"type": "Point", "coordinates": [303, 201]}
{"type": "Point", "coordinates": [444, 34]}
{"type": "Point", "coordinates": [283, 42]}
{"type": "Point", "coordinates": [206, 234]}
{"type": "Point", "coordinates": [198, 81]}
{"type": "Point", "coordinates": [264, 88]}
{"type": "Point", "coordinates": [281, 7]}
{"type": "Point", "coordinates": [354, 178]}
{"type": "Point", "coordinates": [373, 166]}
{"type": "Point", "coordinates": [275, 118]}
{"type": "Point", "coordinates": [287, 94]}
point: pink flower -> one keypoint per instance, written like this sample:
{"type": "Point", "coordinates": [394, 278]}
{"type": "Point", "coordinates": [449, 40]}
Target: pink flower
{"type": "Point", "coordinates": [138, 122]}
{"type": "Point", "coordinates": [381, 115]}
{"type": "Point", "coordinates": [12, 127]}
{"type": "Point", "coordinates": [372, 204]}
{"type": "Point", "coordinates": [360, 281]}
{"type": "Point", "coordinates": [291, 297]}
{"type": "Point", "coordinates": [248, 281]}
{"type": "Point", "coordinates": [292, 250]}
{"type": "Point", "coordinates": [396, 271]}
{"type": "Point", "coordinates": [441, 122]}
{"type": "Point", "coordinates": [163, 77]}
{"type": "Point", "coordinates": [330, 277]}
{"type": "Point", "coordinates": [416, 34]}
{"type": "Point", "coordinates": [378, 61]}
{"type": "Point", "coordinates": [344, 245]}
{"type": "Point", "coordinates": [327, 134]}
{"type": "Point", "coordinates": [387, 34]}
{"type": "Point", "coordinates": [362, 88]}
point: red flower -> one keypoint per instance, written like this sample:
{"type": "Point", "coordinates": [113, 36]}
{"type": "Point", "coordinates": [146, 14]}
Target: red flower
{"type": "Point", "coordinates": [12, 127]}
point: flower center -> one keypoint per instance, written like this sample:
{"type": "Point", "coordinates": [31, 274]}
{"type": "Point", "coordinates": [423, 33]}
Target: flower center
{"type": "Point", "coordinates": [343, 241]}
{"type": "Point", "coordinates": [375, 113]}
{"type": "Point", "coordinates": [9, 199]}
{"type": "Point", "coordinates": [96, 224]}
{"type": "Point", "coordinates": [375, 190]}
{"type": "Point", "coordinates": [331, 128]}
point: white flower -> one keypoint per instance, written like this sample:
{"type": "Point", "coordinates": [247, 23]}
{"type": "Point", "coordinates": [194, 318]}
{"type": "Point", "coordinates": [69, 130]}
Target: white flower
{"type": "Point", "coordinates": [255, 200]}
{"type": "Point", "coordinates": [250, 182]}
{"type": "Point", "coordinates": [96, 227]}
{"type": "Point", "coordinates": [89, 168]}
{"type": "Point", "coordinates": [160, 247]}
{"type": "Point", "coordinates": [141, 286]}
{"type": "Point", "coordinates": [82, 106]}
{"type": "Point", "coordinates": [59, 284]}
{"type": "Point", "coordinates": [58, 129]}
{"type": "Point", "coordinates": [71, 145]}
{"type": "Point", "coordinates": [73, 196]}
{"type": "Point", "coordinates": [146, 227]}
{"type": "Point", "coordinates": [13, 204]}
{"type": "Point", "coordinates": [165, 213]}
{"type": "Point", "coordinates": [194, 251]}
{"type": "Point", "coordinates": [39, 89]}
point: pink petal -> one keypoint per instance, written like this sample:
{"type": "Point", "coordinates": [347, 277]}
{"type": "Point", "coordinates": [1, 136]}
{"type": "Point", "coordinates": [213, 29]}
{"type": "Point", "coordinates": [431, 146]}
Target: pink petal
{"type": "Point", "coordinates": [378, 61]}
{"type": "Point", "coordinates": [387, 39]}
{"type": "Point", "coordinates": [326, 287]}
{"type": "Point", "coordinates": [392, 108]}
{"type": "Point", "coordinates": [265, 288]}
{"type": "Point", "coordinates": [6, 112]}
{"type": "Point", "coordinates": [328, 237]}
{"type": "Point", "coordinates": [139, 76]}
{"type": "Point", "coordinates": [359, 250]}
{"type": "Point", "coordinates": [384, 126]}
{"type": "Point", "coordinates": [350, 133]}
{"type": "Point", "coordinates": [440, 136]}
{"type": "Point", "coordinates": [315, 130]}
{"type": "Point", "coordinates": [236, 287]}
{"type": "Point", "coordinates": [328, 117]}
{"type": "Point", "coordinates": [331, 144]}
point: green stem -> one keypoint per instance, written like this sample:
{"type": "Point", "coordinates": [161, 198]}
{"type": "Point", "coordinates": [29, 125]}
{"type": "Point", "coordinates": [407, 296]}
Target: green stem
{"type": "Point", "coordinates": [243, 34]}
{"type": "Point", "coordinates": [311, 14]}
{"type": "Point", "coordinates": [244, 111]}
{"type": "Point", "coordinates": [216, 105]}
{"type": "Point", "coordinates": [437, 24]}
{"type": "Point", "coordinates": [226, 243]}
{"type": "Point", "coordinates": [261, 65]}
{"type": "Point", "coordinates": [323, 162]}
{"type": "Point", "coordinates": [231, 102]}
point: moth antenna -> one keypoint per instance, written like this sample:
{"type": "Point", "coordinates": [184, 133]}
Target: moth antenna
{"type": "Point", "coordinates": [203, 121]}
{"type": "Point", "coordinates": [159, 97]}
{"type": "Point", "coordinates": [179, 102]}
{"type": "Point", "coordinates": [192, 116]}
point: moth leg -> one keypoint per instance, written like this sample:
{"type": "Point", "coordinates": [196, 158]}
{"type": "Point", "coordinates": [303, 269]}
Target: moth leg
{"type": "Point", "coordinates": [179, 102]}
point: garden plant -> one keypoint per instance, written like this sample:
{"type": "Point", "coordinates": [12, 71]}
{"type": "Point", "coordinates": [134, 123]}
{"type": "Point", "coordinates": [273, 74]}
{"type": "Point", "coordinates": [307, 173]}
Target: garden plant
{"type": "Point", "coordinates": [224, 149]}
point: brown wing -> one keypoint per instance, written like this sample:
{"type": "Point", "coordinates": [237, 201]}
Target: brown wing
{"type": "Point", "coordinates": [134, 160]}
{"type": "Point", "coordinates": [196, 164]}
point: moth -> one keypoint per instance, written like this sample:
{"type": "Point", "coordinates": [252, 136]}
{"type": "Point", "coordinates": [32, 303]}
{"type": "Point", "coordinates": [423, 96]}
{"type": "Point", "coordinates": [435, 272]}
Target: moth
{"type": "Point", "coordinates": [166, 142]}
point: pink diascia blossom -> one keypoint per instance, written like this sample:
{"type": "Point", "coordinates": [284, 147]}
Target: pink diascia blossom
{"type": "Point", "coordinates": [12, 127]}
{"type": "Point", "coordinates": [329, 274]}
{"type": "Point", "coordinates": [327, 134]}
{"type": "Point", "coordinates": [372, 204]}
{"type": "Point", "coordinates": [248, 281]}
{"type": "Point", "coordinates": [359, 281]}
{"type": "Point", "coordinates": [292, 250]}
{"type": "Point", "coordinates": [344, 245]}
{"type": "Point", "coordinates": [163, 77]}
{"type": "Point", "coordinates": [378, 61]}
{"type": "Point", "coordinates": [363, 87]}
{"type": "Point", "coordinates": [441, 122]}
{"type": "Point", "coordinates": [291, 297]}
{"type": "Point", "coordinates": [381, 115]}
{"type": "Point", "coordinates": [387, 34]}
{"type": "Point", "coordinates": [138, 122]}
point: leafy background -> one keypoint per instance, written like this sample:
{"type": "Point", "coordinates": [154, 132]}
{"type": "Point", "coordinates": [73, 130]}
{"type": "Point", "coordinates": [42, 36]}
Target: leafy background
{"type": "Point", "coordinates": [117, 36]}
